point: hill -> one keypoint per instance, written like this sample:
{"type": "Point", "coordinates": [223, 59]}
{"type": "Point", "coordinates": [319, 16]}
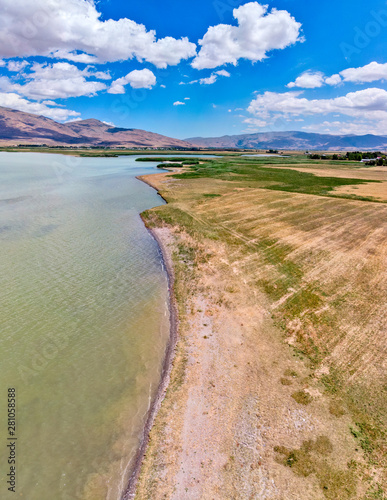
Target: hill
{"type": "Point", "coordinates": [17, 128]}
{"type": "Point", "coordinates": [293, 141]}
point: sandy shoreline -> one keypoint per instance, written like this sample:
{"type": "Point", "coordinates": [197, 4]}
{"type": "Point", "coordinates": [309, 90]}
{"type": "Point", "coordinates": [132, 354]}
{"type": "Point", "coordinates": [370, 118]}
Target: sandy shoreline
{"type": "Point", "coordinates": [167, 363]}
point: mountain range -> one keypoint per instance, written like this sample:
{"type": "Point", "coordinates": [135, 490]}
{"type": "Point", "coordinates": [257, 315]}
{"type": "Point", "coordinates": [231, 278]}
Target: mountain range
{"type": "Point", "coordinates": [17, 127]}
{"type": "Point", "coordinates": [293, 141]}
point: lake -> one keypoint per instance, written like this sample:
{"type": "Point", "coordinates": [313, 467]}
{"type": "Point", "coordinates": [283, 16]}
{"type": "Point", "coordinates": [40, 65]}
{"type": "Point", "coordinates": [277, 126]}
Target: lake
{"type": "Point", "coordinates": [84, 321]}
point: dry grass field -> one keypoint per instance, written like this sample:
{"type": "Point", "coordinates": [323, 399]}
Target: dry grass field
{"type": "Point", "coordinates": [279, 386]}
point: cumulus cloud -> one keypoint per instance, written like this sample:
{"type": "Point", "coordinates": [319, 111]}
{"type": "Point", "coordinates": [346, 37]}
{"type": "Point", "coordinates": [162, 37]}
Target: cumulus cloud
{"type": "Point", "coordinates": [207, 81]}
{"type": "Point", "coordinates": [2, 63]}
{"type": "Point", "coordinates": [257, 33]}
{"type": "Point", "coordinates": [340, 127]}
{"type": "Point", "coordinates": [54, 81]}
{"type": "Point", "coordinates": [308, 80]}
{"type": "Point", "coordinates": [73, 56]}
{"type": "Point", "coordinates": [210, 79]}
{"type": "Point", "coordinates": [365, 74]}
{"type": "Point", "coordinates": [358, 127]}
{"type": "Point", "coordinates": [369, 105]}
{"type": "Point", "coordinates": [255, 122]}
{"type": "Point", "coordinates": [138, 79]}
{"type": "Point", "coordinates": [179, 103]}
{"type": "Point", "coordinates": [52, 103]}
{"type": "Point", "coordinates": [333, 80]}
{"type": "Point", "coordinates": [313, 80]}
{"type": "Point", "coordinates": [223, 72]}
{"type": "Point", "coordinates": [14, 101]}
{"type": "Point", "coordinates": [74, 30]}
{"type": "Point", "coordinates": [16, 66]}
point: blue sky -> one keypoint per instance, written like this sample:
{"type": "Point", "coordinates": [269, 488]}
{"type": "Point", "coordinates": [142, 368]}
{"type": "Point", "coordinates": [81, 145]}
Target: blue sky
{"type": "Point", "coordinates": [204, 68]}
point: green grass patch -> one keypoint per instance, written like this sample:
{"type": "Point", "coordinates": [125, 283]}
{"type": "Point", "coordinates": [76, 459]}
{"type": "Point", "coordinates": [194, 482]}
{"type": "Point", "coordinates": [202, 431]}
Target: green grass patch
{"type": "Point", "coordinates": [252, 171]}
{"type": "Point", "coordinates": [332, 382]}
{"type": "Point", "coordinates": [367, 435]}
{"type": "Point", "coordinates": [169, 165]}
{"type": "Point", "coordinates": [312, 458]}
{"type": "Point", "coordinates": [336, 408]}
{"type": "Point", "coordinates": [304, 300]}
{"type": "Point", "coordinates": [186, 161]}
{"type": "Point", "coordinates": [302, 397]}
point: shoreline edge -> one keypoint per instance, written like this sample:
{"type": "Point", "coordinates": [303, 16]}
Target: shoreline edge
{"type": "Point", "coordinates": [130, 489]}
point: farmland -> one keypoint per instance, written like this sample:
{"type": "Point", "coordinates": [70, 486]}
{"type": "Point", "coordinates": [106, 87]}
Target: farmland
{"type": "Point", "coordinates": [280, 279]}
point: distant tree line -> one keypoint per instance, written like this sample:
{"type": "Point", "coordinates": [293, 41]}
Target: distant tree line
{"type": "Point", "coordinates": [375, 158]}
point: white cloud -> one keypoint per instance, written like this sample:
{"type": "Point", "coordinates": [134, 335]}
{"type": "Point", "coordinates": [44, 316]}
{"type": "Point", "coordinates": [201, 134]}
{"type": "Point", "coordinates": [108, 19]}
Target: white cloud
{"type": "Point", "coordinates": [14, 101]}
{"type": "Point", "coordinates": [74, 30]}
{"type": "Point", "coordinates": [255, 122]}
{"type": "Point", "coordinates": [138, 79]}
{"type": "Point", "coordinates": [359, 127]}
{"type": "Point", "coordinates": [365, 74]}
{"type": "Point", "coordinates": [52, 103]}
{"type": "Point", "coordinates": [187, 98]}
{"type": "Point", "coordinates": [100, 75]}
{"type": "Point", "coordinates": [210, 79]}
{"type": "Point", "coordinates": [2, 63]}
{"type": "Point", "coordinates": [257, 33]}
{"type": "Point", "coordinates": [179, 103]}
{"type": "Point", "coordinates": [369, 73]}
{"type": "Point", "coordinates": [308, 80]}
{"type": "Point", "coordinates": [16, 66]}
{"type": "Point", "coordinates": [369, 105]}
{"type": "Point", "coordinates": [55, 81]}
{"type": "Point", "coordinates": [74, 56]}
{"type": "Point", "coordinates": [314, 80]}
{"type": "Point", "coordinates": [333, 80]}
{"type": "Point", "coordinates": [64, 70]}
{"type": "Point", "coordinates": [223, 72]}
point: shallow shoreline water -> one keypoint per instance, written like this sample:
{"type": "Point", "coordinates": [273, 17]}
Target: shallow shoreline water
{"type": "Point", "coordinates": [130, 490]}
